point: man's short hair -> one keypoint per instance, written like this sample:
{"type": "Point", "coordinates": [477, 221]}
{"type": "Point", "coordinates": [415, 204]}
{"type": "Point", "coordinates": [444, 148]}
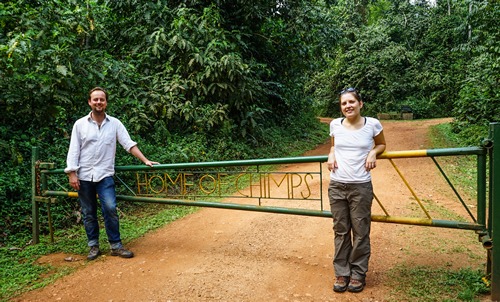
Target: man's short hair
{"type": "Point", "coordinates": [99, 89]}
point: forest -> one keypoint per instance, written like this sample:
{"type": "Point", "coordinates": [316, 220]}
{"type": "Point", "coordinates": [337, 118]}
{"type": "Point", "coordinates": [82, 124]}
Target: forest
{"type": "Point", "coordinates": [199, 80]}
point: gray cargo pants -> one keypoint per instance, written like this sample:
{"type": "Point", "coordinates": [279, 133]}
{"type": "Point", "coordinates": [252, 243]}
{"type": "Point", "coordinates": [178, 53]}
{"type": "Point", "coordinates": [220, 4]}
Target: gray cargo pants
{"type": "Point", "coordinates": [351, 210]}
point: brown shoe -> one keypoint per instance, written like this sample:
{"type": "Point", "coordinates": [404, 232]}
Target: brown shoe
{"type": "Point", "coordinates": [122, 252]}
{"type": "Point", "coordinates": [341, 283]}
{"type": "Point", "coordinates": [93, 253]}
{"type": "Point", "coordinates": [356, 286]}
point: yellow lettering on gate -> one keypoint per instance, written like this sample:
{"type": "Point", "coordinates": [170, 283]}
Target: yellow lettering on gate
{"type": "Point", "coordinates": [173, 182]}
{"type": "Point", "coordinates": [236, 183]}
{"type": "Point", "coordinates": [276, 183]}
{"type": "Point", "coordinates": [292, 185]}
{"type": "Point", "coordinates": [214, 181]}
{"type": "Point", "coordinates": [162, 188]}
{"type": "Point", "coordinates": [307, 186]}
{"type": "Point", "coordinates": [185, 183]}
{"type": "Point", "coordinates": [258, 184]}
{"type": "Point", "coordinates": [219, 181]}
{"type": "Point", "coordinates": [140, 184]}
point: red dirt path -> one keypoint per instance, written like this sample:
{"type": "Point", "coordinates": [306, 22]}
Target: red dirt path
{"type": "Point", "coordinates": [226, 255]}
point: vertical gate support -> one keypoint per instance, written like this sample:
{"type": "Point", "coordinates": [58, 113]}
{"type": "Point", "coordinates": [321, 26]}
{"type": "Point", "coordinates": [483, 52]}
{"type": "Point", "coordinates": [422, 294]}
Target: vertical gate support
{"type": "Point", "coordinates": [494, 136]}
{"type": "Point", "coordinates": [35, 212]}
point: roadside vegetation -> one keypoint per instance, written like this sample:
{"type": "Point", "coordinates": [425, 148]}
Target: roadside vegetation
{"type": "Point", "coordinates": [437, 284]}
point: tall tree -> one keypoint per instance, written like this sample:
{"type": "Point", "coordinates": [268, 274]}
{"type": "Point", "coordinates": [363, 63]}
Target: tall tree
{"type": "Point", "coordinates": [479, 97]}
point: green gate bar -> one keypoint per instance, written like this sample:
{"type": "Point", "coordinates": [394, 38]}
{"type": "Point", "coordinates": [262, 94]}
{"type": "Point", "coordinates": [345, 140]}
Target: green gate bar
{"type": "Point", "coordinates": [282, 210]}
{"type": "Point", "coordinates": [293, 160]}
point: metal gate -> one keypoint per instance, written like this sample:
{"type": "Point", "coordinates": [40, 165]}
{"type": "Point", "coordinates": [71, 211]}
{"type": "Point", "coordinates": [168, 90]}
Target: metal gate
{"type": "Point", "coordinates": [253, 185]}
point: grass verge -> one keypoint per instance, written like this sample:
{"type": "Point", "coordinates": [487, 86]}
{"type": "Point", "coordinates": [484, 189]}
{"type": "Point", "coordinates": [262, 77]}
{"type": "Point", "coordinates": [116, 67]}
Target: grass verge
{"type": "Point", "coordinates": [436, 284]}
{"type": "Point", "coordinates": [410, 283]}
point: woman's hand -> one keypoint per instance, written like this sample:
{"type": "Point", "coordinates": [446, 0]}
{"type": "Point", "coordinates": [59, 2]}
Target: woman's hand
{"type": "Point", "coordinates": [371, 160]}
{"type": "Point", "coordinates": [332, 166]}
{"type": "Point", "coordinates": [332, 162]}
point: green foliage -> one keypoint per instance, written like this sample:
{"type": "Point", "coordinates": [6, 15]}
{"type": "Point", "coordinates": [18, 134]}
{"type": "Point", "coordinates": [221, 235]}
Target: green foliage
{"type": "Point", "coordinates": [43, 63]}
{"type": "Point", "coordinates": [191, 80]}
{"type": "Point", "coordinates": [437, 284]}
{"type": "Point", "coordinates": [205, 78]}
{"type": "Point", "coordinates": [480, 91]}
{"type": "Point", "coordinates": [440, 60]}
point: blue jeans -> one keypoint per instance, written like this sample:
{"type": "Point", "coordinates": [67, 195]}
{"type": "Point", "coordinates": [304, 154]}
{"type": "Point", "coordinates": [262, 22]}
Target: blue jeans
{"type": "Point", "coordinates": [87, 194]}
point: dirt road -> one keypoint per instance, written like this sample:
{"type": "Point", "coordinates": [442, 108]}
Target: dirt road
{"type": "Point", "coordinates": [227, 255]}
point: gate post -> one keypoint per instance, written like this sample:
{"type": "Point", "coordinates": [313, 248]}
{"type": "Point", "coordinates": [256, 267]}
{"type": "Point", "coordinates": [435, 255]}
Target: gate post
{"type": "Point", "coordinates": [494, 136]}
{"type": "Point", "coordinates": [34, 204]}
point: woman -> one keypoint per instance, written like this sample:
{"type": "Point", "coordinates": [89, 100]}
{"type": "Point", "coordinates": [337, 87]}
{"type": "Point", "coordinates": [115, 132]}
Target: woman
{"type": "Point", "coordinates": [356, 142]}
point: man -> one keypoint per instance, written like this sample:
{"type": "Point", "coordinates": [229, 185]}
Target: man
{"type": "Point", "coordinates": [91, 166]}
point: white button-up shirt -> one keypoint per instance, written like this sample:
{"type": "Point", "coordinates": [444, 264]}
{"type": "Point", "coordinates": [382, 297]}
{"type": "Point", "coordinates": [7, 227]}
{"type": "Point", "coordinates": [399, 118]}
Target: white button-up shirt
{"type": "Point", "coordinates": [92, 148]}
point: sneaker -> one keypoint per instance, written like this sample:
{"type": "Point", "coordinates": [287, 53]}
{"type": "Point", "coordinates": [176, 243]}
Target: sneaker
{"type": "Point", "coordinates": [93, 253]}
{"type": "Point", "coordinates": [340, 285]}
{"type": "Point", "coordinates": [356, 286]}
{"type": "Point", "coordinates": [122, 252]}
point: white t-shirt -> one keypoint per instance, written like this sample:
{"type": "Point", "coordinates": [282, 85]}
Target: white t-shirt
{"type": "Point", "coordinates": [352, 148]}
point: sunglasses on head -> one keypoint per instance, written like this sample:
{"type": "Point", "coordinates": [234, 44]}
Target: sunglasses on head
{"type": "Point", "coordinates": [350, 89]}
